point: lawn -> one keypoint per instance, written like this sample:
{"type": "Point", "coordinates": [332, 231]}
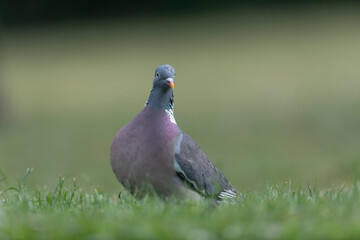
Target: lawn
{"type": "Point", "coordinates": [277, 212]}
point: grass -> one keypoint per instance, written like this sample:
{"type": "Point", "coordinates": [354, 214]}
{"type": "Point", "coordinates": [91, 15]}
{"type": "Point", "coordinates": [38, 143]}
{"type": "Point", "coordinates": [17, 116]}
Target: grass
{"type": "Point", "coordinates": [267, 95]}
{"type": "Point", "coordinates": [278, 212]}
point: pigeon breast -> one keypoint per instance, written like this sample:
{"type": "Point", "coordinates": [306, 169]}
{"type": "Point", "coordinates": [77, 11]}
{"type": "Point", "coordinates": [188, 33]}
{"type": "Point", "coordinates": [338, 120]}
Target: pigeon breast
{"type": "Point", "coordinates": [142, 152]}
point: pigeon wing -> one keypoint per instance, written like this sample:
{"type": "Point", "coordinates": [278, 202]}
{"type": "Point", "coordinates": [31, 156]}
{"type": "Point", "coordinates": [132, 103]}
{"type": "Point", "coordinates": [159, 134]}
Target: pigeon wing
{"type": "Point", "coordinates": [194, 167]}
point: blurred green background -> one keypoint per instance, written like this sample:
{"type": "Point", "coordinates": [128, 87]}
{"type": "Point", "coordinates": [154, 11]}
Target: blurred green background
{"type": "Point", "coordinates": [270, 94]}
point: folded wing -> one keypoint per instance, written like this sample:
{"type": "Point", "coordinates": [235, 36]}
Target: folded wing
{"type": "Point", "coordinates": [194, 167]}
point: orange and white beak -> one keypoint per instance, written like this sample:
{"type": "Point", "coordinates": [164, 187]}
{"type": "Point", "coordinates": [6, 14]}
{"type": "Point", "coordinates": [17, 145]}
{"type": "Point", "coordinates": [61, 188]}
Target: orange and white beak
{"type": "Point", "coordinates": [170, 82]}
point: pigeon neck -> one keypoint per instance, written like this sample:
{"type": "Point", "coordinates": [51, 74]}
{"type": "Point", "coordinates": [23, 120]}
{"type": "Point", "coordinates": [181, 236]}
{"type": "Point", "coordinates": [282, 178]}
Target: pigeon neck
{"type": "Point", "coordinates": [160, 99]}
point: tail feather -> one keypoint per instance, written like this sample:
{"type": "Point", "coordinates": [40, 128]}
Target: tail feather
{"type": "Point", "coordinates": [229, 194]}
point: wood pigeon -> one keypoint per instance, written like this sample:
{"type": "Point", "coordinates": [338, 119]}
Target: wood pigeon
{"type": "Point", "coordinates": [152, 151]}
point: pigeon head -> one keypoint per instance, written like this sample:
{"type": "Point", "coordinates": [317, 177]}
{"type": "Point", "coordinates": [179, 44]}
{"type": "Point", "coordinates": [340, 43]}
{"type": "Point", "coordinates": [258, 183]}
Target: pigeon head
{"type": "Point", "coordinates": [161, 95]}
{"type": "Point", "coordinates": [164, 77]}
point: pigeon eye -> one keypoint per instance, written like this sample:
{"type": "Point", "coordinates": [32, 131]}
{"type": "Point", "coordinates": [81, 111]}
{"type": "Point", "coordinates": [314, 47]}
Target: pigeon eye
{"type": "Point", "coordinates": [157, 74]}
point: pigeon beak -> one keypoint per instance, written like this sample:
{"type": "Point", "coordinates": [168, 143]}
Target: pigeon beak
{"type": "Point", "coordinates": [170, 82]}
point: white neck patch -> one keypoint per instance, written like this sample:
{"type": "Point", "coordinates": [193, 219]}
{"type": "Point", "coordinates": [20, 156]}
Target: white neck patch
{"type": "Point", "coordinates": [170, 114]}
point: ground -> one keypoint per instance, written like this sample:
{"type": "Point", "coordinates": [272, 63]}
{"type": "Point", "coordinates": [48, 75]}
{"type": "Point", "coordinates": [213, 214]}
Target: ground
{"type": "Point", "coordinates": [278, 212]}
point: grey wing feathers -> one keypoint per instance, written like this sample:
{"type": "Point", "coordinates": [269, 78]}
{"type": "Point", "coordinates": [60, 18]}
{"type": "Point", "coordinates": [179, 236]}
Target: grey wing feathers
{"type": "Point", "coordinates": [193, 166]}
